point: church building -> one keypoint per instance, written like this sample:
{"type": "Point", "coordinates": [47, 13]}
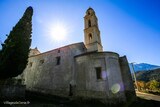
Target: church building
{"type": "Point", "coordinates": [81, 70]}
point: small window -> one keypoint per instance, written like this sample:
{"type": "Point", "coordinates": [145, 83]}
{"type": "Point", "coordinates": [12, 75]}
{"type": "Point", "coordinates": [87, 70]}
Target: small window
{"type": "Point", "coordinates": [99, 72]}
{"type": "Point", "coordinates": [59, 51]}
{"type": "Point", "coordinates": [90, 37]}
{"type": "Point", "coordinates": [88, 13]}
{"type": "Point", "coordinates": [30, 64]}
{"type": "Point", "coordinates": [41, 61]}
{"type": "Point", "coordinates": [89, 23]}
{"type": "Point", "coordinates": [58, 60]}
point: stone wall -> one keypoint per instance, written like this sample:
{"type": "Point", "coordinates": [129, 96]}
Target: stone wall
{"type": "Point", "coordinates": [11, 89]}
{"type": "Point", "coordinates": [34, 52]}
{"type": "Point", "coordinates": [127, 78]}
{"type": "Point", "coordinates": [77, 74]}
{"type": "Point", "coordinates": [87, 83]}
{"type": "Point", "coordinates": [46, 74]}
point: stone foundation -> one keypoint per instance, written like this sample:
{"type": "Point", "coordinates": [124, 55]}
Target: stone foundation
{"type": "Point", "coordinates": [12, 89]}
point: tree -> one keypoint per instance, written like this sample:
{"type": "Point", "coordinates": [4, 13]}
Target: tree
{"type": "Point", "coordinates": [141, 85]}
{"type": "Point", "coordinates": [15, 49]}
{"type": "Point", "coordinates": [154, 85]}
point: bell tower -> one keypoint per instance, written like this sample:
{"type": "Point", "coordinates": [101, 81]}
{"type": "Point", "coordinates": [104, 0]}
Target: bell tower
{"type": "Point", "coordinates": [91, 32]}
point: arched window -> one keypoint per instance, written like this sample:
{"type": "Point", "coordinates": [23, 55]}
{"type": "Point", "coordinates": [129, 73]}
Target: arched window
{"type": "Point", "coordinates": [89, 23]}
{"type": "Point", "coordinates": [88, 13]}
{"type": "Point", "coordinates": [90, 38]}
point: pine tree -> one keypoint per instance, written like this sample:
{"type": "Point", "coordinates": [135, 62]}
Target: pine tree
{"type": "Point", "coordinates": [15, 49]}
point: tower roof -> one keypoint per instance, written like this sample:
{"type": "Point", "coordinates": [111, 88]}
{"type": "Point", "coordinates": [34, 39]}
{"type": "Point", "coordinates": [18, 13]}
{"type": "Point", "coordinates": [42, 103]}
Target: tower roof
{"type": "Point", "coordinates": [90, 11]}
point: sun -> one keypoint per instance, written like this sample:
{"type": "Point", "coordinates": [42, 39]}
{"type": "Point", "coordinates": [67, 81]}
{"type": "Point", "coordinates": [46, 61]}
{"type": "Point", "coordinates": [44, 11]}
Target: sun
{"type": "Point", "coordinates": [58, 32]}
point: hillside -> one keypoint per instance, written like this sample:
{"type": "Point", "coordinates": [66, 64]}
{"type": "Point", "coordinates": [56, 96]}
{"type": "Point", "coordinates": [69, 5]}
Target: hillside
{"type": "Point", "coordinates": [143, 67]}
{"type": "Point", "coordinates": [148, 75]}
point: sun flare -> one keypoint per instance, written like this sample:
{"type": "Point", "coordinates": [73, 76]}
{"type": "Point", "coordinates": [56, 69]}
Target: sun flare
{"type": "Point", "coordinates": [58, 32]}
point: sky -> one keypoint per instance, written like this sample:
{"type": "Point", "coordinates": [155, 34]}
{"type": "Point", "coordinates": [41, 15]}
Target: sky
{"type": "Point", "coordinates": [128, 27]}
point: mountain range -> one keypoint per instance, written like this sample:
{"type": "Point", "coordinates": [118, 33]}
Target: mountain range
{"type": "Point", "coordinates": [143, 67]}
{"type": "Point", "coordinates": [146, 72]}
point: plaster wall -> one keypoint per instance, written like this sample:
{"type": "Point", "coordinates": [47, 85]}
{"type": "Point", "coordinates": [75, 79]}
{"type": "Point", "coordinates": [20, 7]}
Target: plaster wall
{"type": "Point", "coordinates": [87, 83]}
{"type": "Point", "coordinates": [44, 75]}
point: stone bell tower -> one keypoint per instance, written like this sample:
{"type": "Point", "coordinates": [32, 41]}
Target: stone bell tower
{"type": "Point", "coordinates": [91, 32]}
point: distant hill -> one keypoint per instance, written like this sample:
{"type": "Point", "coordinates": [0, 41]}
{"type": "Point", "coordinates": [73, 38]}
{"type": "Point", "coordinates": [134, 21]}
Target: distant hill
{"type": "Point", "coordinates": [148, 75]}
{"type": "Point", "coordinates": [143, 67]}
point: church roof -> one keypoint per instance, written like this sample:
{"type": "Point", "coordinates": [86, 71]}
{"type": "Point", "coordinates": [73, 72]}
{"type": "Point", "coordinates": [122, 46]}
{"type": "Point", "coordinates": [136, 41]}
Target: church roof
{"type": "Point", "coordinates": [79, 43]}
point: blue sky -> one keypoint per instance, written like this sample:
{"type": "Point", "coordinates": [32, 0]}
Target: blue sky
{"type": "Point", "coordinates": [128, 27]}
